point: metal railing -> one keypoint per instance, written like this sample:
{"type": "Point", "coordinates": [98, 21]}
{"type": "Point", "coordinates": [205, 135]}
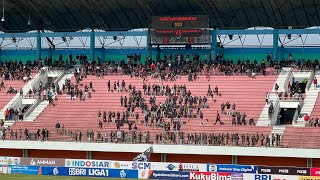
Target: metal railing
{"type": "Point", "coordinates": [276, 106]}
{"type": "Point", "coordinates": [31, 108]}
{"type": "Point", "coordinates": [13, 104]}
{"type": "Point", "coordinates": [310, 80]}
{"type": "Point", "coordinates": [34, 81]}
{"type": "Point", "coordinates": [59, 77]}
{"type": "Point", "coordinates": [297, 112]}
{"type": "Point", "coordinates": [288, 79]}
{"type": "Point", "coordinates": [146, 137]}
{"type": "Point", "coordinates": [287, 140]}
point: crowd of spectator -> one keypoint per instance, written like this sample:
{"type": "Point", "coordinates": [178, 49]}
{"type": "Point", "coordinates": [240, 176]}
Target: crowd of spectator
{"type": "Point", "coordinates": [180, 103]}
{"type": "Point", "coordinates": [136, 136]}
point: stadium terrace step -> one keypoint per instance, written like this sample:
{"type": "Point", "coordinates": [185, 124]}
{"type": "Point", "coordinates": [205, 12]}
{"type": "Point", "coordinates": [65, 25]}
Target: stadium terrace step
{"type": "Point", "coordinates": [6, 100]}
{"type": "Point", "coordinates": [248, 94]}
{"type": "Point", "coordinates": [311, 104]}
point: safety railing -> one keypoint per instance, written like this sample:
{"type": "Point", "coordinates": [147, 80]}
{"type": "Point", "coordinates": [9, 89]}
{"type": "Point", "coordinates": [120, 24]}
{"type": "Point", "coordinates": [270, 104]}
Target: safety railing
{"type": "Point", "coordinates": [145, 137]}
{"type": "Point", "coordinates": [288, 98]}
{"type": "Point", "coordinates": [288, 79]}
{"type": "Point", "coordinates": [59, 77]}
{"type": "Point", "coordinates": [34, 81]}
{"type": "Point", "coordinates": [31, 108]}
{"type": "Point", "coordinates": [14, 103]}
{"type": "Point", "coordinates": [297, 112]}
{"type": "Point", "coordinates": [221, 138]}
{"type": "Point", "coordinates": [310, 80]}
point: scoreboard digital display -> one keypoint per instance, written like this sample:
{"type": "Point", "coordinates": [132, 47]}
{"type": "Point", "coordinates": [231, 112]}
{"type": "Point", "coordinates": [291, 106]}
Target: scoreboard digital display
{"type": "Point", "coordinates": [179, 30]}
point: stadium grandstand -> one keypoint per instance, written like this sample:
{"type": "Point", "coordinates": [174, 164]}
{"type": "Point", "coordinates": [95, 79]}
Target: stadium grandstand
{"type": "Point", "coordinates": [177, 76]}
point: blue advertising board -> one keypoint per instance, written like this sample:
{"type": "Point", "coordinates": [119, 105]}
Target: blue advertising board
{"type": "Point", "coordinates": [231, 168]}
{"type": "Point", "coordinates": [172, 175]}
{"type": "Point", "coordinates": [30, 170]}
{"type": "Point", "coordinates": [92, 172]}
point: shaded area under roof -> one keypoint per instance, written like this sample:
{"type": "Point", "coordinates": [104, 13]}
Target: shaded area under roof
{"type": "Point", "coordinates": [73, 15]}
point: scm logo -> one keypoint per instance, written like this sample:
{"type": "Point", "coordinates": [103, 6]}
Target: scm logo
{"type": "Point", "coordinates": [141, 165]}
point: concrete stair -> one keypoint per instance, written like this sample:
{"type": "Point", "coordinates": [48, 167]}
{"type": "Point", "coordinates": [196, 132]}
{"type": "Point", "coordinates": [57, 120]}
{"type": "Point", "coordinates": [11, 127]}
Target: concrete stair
{"type": "Point", "coordinates": [282, 78]}
{"type": "Point", "coordinates": [37, 111]}
{"type": "Point", "coordinates": [264, 119]}
{"type": "Point", "coordinates": [25, 89]}
{"type": "Point", "coordinates": [309, 103]}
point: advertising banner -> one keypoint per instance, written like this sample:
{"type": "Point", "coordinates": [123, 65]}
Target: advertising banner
{"type": "Point", "coordinates": [269, 177]}
{"type": "Point", "coordinates": [193, 167]}
{"type": "Point", "coordinates": [214, 176]}
{"type": "Point", "coordinates": [86, 163]}
{"type": "Point", "coordinates": [9, 160]}
{"type": "Point", "coordinates": [284, 170]}
{"type": "Point", "coordinates": [314, 171]}
{"type": "Point", "coordinates": [145, 165]}
{"type": "Point", "coordinates": [42, 162]}
{"type": "Point", "coordinates": [91, 172]}
{"type": "Point", "coordinates": [308, 178]}
{"type": "Point", "coordinates": [172, 175]}
{"type": "Point", "coordinates": [231, 168]}
{"type": "Point", "coordinates": [159, 166]}
{"type": "Point", "coordinates": [30, 170]}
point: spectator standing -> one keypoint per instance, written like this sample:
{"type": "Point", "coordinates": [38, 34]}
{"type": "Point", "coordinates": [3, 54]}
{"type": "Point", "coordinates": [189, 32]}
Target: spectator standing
{"type": "Point", "coordinates": [218, 119]}
{"type": "Point", "coordinates": [306, 118]}
{"type": "Point", "coordinates": [315, 82]}
{"type": "Point", "coordinates": [276, 87]}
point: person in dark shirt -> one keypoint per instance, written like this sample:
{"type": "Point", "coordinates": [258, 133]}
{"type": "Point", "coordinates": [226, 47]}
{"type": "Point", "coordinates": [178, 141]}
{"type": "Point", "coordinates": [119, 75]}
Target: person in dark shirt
{"type": "Point", "coordinates": [218, 119]}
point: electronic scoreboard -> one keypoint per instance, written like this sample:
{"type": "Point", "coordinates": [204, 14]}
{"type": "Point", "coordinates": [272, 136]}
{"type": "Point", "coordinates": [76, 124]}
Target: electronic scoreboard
{"type": "Point", "coordinates": [179, 30]}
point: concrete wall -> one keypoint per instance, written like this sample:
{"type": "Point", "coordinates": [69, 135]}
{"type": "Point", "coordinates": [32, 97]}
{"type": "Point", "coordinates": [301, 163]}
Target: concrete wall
{"type": "Point", "coordinates": [167, 149]}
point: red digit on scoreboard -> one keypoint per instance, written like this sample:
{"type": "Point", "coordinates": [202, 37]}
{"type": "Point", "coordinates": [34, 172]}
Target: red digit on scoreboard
{"type": "Point", "coordinates": [165, 40]}
{"type": "Point", "coordinates": [190, 40]}
{"type": "Point", "coordinates": [178, 32]}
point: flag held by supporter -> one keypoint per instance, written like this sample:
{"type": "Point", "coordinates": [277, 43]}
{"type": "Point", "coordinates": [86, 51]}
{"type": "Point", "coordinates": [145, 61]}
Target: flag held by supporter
{"type": "Point", "coordinates": [144, 157]}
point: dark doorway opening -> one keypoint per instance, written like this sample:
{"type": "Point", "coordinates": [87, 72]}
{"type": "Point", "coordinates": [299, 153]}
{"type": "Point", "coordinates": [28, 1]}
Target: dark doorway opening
{"type": "Point", "coordinates": [303, 87]}
{"type": "Point", "coordinates": [286, 115]}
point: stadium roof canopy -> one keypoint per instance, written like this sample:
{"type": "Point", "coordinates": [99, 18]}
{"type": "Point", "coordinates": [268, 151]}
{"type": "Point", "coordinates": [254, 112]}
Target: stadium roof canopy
{"type": "Point", "coordinates": [73, 15]}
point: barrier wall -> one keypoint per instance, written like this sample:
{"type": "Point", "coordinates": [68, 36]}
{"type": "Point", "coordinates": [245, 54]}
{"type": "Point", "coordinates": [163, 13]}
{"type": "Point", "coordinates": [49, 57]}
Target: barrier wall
{"type": "Point", "coordinates": [152, 170]}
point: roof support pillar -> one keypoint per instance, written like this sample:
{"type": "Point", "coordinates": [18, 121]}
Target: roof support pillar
{"type": "Point", "coordinates": [214, 45]}
{"type": "Point", "coordinates": [92, 45]}
{"type": "Point", "coordinates": [38, 45]}
{"type": "Point", "coordinates": [103, 54]}
{"type": "Point", "coordinates": [149, 46]}
{"type": "Point", "coordinates": [275, 44]}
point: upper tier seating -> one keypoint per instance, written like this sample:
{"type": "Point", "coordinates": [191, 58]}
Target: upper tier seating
{"type": "Point", "coordinates": [4, 97]}
{"type": "Point", "coordinates": [248, 95]}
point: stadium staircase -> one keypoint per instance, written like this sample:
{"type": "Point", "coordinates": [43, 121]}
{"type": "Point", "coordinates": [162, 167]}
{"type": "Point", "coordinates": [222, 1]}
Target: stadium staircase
{"type": "Point", "coordinates": [311, 104]}
{"type": "Point", "coordinates": [248, 95]}
{"type": "Point", "coordinates": [282, 81]}
{"type": "Point", "coordinates": [40, 105]}
{"type": "Point", "coordinates": [16, 98]}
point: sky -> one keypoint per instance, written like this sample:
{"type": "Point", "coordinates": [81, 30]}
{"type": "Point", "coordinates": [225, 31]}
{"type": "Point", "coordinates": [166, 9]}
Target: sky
{"type": "Point", "coordinates": [238, 41]}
